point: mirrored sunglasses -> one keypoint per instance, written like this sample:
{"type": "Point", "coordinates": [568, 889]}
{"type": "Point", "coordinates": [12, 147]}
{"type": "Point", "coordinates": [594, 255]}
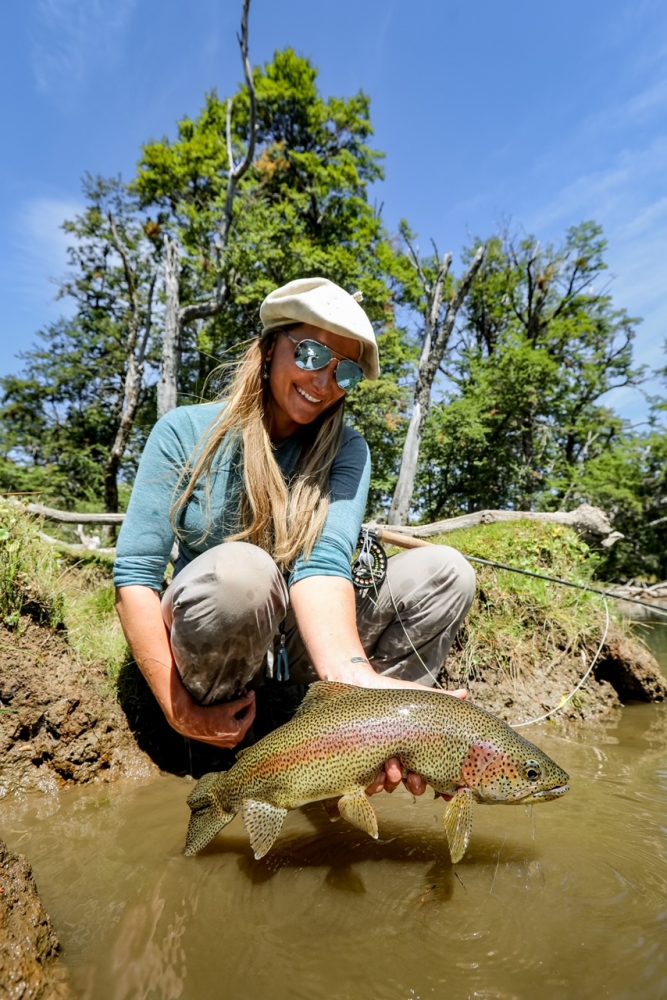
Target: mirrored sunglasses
{"type": "Point", "coordinates": [311, 356]}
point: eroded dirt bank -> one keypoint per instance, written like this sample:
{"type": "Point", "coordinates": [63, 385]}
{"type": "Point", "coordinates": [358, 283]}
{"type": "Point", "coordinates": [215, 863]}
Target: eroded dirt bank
{"type": "Point", "coordinates": [624, 670]}
{"type": "Point", "coordinates": [30, 967]}
{"type": "Point", "coordinates": [59, 720]}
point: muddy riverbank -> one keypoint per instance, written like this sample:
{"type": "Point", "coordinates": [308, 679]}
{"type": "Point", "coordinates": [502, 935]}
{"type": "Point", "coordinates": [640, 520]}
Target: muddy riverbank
{"type": "Point", "coordinates": [66, 722]}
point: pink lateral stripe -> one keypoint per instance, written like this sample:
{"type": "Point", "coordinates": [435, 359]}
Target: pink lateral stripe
{"type": "Point", "coordinates": [340, 741]}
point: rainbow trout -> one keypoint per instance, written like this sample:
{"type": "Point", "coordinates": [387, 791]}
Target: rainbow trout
{"type": "Point", "coordinates": [336, 745]}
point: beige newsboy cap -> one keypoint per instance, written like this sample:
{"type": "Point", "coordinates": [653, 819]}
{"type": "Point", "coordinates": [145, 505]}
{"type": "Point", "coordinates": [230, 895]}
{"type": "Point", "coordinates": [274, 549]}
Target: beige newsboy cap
{"type": "Point", "coordinates": [322, 303]}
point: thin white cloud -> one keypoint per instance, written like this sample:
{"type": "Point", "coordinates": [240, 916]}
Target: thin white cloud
{"type": "Point", "coordinates": [627, 197]}
{"type": "Point", "coordinates": [617, 190]}
{"type": "Point", "coordinates": [71, 38]}
{"type": "Point", "coordinates": [40, 252]}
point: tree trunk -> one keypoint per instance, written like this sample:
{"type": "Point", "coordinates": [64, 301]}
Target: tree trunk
{"type": "Point", "coordinates": [177, 317]}
{"type": "Point", "coordinates": [139, 329]}
{"type": "Point", "coordinates": [438, 327]}
{"type": "Point", "coordinates": [400, 506]}
{"type": "Point", "coordinates": [167, 390]}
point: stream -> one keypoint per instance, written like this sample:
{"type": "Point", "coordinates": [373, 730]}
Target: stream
{"type": "Point", "coordinates": [563, 899]}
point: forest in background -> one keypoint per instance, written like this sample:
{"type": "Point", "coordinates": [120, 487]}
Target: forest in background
{"type": "Point", "coordinates": [506, 364]}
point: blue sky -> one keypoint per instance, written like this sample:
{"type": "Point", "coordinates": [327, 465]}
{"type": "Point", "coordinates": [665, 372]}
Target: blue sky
{"type": "Point", "coordinates": [533, 114]}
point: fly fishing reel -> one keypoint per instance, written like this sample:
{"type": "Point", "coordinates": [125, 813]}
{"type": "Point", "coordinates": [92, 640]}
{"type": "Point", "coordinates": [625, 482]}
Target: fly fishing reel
{"type": "Point", "coordinates": [369, 562]}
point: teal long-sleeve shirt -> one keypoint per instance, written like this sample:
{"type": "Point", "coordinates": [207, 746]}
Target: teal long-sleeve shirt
{"type": "Point", "coordinates": [146, 538]}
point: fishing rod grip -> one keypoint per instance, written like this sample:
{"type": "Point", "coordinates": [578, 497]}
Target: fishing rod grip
{"type": "Point", "coordinates": [403, 541]}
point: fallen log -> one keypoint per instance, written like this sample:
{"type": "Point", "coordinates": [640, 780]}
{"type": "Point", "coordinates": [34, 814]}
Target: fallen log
{"type": "Point", "coordinates": [590, 522]}
{"type": "Point", "coordinates": [64, 516]}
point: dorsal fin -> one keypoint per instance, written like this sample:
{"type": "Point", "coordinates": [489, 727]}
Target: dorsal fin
{"type": "Point", "coordinates": [322, 691]}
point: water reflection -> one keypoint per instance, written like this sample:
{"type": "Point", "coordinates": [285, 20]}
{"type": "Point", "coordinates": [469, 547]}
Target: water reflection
{"type": "Point", "coordinates": [563, 898]}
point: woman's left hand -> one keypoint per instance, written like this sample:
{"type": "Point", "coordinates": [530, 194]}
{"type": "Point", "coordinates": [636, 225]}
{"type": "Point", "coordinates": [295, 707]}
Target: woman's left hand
{"type": "Point", "coordinates": [391, 776]}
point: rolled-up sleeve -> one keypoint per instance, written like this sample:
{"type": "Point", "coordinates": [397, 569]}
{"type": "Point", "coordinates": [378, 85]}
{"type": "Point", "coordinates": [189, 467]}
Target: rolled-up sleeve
{"type": "Point", "coordinates": [146, 538]}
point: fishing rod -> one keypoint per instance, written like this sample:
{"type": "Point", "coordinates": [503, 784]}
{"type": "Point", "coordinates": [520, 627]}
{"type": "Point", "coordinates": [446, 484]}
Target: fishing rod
{"type": "Point", "coordinates": [390, 537]}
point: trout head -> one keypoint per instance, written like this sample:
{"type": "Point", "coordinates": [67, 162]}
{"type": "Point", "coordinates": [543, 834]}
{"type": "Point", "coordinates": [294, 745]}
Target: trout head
{"type": "Point", "coordinates": [519, 772]}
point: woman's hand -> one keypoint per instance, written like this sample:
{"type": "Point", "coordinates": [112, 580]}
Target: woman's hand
{"type": "Point", "coordinates": [392, 774]}
{"type": "Point", "coordinates": [222, 725]}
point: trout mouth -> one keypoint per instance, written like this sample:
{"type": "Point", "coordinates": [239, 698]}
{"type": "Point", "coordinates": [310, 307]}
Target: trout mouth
{"type": "Point", "coordinates": [551, 793]}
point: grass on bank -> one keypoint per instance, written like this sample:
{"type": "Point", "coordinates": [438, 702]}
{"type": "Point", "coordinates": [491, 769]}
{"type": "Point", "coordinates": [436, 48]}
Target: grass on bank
{"type": "Point", "coordinates": [517, 625]}
{"type": "Point", "coordinates": [40, 582]}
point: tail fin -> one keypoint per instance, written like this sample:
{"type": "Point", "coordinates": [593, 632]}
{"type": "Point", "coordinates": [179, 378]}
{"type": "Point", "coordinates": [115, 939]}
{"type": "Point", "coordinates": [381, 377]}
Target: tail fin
{"type": "Point", "coordinates": [208, 816]}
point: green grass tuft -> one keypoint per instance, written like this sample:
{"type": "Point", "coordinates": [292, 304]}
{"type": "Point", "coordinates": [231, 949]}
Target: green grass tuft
{"type": "Point", "coordinates": [519, 625]}
{"type": "Point", "coordinates": [42, 583]}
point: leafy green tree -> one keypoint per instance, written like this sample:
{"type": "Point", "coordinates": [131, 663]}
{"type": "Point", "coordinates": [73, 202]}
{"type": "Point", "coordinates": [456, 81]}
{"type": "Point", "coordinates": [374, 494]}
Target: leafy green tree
{"type": "Point", "coordinates": [74, 407]}
{"type": "Point", "coordinates": [302, 208]}
{"type": "Point", "coordinates": [57, 424]}
{"type": "Point", "coordinates": [523, 408]}
{"type": "Point", "coordinates": [629, 480]}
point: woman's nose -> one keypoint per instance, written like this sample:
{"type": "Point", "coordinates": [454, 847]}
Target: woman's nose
{"type": "Point", "coordinates": [323, 377]}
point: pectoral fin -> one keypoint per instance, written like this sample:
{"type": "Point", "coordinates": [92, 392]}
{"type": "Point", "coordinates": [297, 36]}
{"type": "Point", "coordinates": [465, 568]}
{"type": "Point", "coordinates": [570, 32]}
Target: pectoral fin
{"type": "Point", "coordinates": [358, 811]}
{"type": "Point", "coordinates": [458, 823]}
{"type": "Point", "coordinates": [263, 823]}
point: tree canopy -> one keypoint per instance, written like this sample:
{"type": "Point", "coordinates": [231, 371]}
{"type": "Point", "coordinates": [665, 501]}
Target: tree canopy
{"type": "Point", "coordinates": [515, 412]}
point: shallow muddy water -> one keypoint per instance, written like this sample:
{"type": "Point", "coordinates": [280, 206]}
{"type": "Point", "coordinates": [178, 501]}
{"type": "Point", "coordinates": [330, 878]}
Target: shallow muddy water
{"type": "Point", "coordinates": [566, 898]}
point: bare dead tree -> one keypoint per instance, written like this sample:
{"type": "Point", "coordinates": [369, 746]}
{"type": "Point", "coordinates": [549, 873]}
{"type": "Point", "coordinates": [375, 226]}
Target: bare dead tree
{"type": "Point", "coordinates": [440, 317]}
{"type": "Point", "coordinates": [139, 324]}
{"type": "Point", "coordinates": [171, 338]}
{"type": "Point", "coordinates": [177, 316]}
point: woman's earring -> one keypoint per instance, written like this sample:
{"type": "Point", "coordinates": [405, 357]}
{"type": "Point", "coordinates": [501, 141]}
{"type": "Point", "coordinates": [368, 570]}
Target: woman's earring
{"type": "Point", "coordinates": [266, 370]}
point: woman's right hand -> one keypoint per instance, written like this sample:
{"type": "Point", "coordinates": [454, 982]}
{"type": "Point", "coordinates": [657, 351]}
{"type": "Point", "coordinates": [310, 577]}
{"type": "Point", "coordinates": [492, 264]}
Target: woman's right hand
{"type": "Point", "coordinates": [222, 725]}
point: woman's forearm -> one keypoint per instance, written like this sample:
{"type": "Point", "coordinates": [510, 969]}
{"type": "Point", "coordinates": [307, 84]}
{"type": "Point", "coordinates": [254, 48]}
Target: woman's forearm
{"type": "Point", "coordinates": [325, 612]}
{"type": "Point", "coordinates": [140, 615]}
{"type": "Point", "coordinates": [222, 725]}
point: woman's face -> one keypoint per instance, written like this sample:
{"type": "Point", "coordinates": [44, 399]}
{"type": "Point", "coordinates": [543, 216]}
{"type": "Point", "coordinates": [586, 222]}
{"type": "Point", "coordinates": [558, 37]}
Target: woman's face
{"type": "Point", "coordinates": [298, 397]}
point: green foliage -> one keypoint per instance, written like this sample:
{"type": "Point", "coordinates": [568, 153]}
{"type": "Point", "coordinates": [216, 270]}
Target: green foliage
{"type": "Point", "coordinates": [518, 624]}
{"type": "Point", "coordinates": [60, 415]}
{"type": "Point", "coordinates": [29, 570]}
{"type": "Point", "coordinates": [93, 628]}
{"type": "Point", "coordinates": [39, 582]}
{"type": "Point", "coordinates": [302, 209]}
{"type": "Point", "coordinates": [629, 481]}
{"type": "Point", "coordinates": [520, 419]}
{"type": "Point", "coordinates": [522, 413]}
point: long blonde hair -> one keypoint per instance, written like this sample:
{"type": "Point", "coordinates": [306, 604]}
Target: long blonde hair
{"type": "Point", "coordinates": [284, 519]}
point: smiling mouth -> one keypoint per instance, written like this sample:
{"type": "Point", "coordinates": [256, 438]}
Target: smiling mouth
{"type": "Point", "coordinates": [304, 394]}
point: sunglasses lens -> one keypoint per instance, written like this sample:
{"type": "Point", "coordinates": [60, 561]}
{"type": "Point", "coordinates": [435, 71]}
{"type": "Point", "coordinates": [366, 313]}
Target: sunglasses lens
{"type": "Point", "coordinates": [348, 374]}
{"type": "Point", "coordinates": [311, 356]}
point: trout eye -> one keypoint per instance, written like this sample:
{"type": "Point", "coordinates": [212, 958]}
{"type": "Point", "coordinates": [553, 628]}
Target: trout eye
{"type": "Point", "coordinates": [532, 770]}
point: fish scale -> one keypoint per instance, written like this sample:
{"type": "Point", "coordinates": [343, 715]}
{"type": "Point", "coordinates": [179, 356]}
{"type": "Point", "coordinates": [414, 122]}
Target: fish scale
{"type": "Point", "coordinates": [337, 744]}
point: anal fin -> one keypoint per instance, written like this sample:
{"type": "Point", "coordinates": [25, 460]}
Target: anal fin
{"type": "Point", "coordinates": [263, 823]}
{"type": "Point", "coordinates": [357, 810]}
{"type": "Point", "coordinates": [458, 823]}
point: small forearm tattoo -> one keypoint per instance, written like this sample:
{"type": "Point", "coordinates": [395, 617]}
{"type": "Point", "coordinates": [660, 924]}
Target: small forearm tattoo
{"type": "Point", "coordinates": [360, 659]}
